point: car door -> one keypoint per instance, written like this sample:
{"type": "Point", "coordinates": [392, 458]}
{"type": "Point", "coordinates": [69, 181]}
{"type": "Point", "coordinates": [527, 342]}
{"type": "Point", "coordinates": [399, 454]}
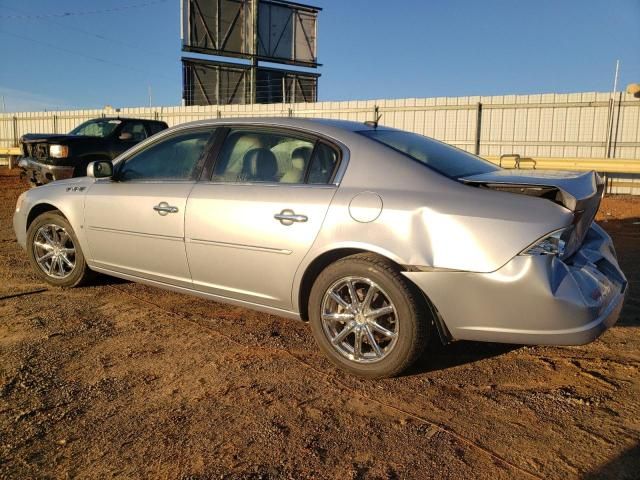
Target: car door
{"type": "Point", "coordinates": [249, 227]}
{"type": "Point", "coordinates": [135, 221]}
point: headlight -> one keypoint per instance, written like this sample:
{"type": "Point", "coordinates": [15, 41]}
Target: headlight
{"type": "Point", "coordinates": [58, 151]}
{"type": "Point", "coordinates": [552, 244]}
{"type": "Point", "coordinates": [20, 200]}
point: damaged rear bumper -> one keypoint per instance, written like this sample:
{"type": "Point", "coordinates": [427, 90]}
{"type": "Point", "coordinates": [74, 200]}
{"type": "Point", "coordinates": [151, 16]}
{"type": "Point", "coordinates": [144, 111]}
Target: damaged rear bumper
{"type": "Point", "coordinates": [538, 300]}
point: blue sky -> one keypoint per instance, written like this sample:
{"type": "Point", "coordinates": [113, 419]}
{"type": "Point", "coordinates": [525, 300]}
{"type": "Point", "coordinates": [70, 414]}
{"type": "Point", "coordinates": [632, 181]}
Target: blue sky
{"type": "Point", "coordinates": [369, 49]}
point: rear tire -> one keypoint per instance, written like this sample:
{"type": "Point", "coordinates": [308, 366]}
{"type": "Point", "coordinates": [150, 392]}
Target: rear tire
{"type": "Point", "coordinates": [54, 251]}
{"type": "Point", "coordinates": [380, 334]}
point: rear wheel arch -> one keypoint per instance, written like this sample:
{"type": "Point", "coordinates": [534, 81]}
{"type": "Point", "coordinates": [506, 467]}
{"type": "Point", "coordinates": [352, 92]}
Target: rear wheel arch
{"type": "Point", "coordinates": [327, 258]}
{"type": "Point", "coordinates": [318, 265]}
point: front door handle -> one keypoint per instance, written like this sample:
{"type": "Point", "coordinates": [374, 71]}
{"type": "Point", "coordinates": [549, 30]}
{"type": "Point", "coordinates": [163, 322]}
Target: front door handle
{"type": "Point", "coordinates": [288, 217]}
{"type": "Point", "coordinates": [163, 208]}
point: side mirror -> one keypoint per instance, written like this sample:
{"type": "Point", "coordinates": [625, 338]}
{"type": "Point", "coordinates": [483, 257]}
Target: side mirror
{"type": "Point", "coordinates": [125, 136]}
{"type": "Point", "coordinates": [100, 169]}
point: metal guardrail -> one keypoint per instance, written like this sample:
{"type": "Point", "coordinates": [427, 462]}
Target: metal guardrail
{"type": "Point", "coordinates": [605, 165]}
{"type": "Point", "coordinates": [10, 151]}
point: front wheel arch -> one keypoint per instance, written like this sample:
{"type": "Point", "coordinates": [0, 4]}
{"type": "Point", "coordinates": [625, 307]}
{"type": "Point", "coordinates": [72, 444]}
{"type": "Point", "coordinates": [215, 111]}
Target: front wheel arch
{"type": "Point", "coordinates": [38, 210]}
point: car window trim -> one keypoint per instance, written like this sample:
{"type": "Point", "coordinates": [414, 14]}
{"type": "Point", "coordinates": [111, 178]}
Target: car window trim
{"type": "Point", "coordinates": [338, 153]}
{"type": "Point", "coordinates": [199, 163]}
{"type": "Point", "coordinates": [214, 149]}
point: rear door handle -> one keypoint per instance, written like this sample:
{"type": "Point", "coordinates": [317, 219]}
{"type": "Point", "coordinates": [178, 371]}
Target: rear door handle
{"type": "Point", "coordinates": [163, 208]}
{"type": "Point", "coordinates": [289, 217]}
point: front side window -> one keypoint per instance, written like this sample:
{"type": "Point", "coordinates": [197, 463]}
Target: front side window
{"type": "Point", "coordinates": [445, 159]}
{"type": "Point", "coordinates": [174, 158]}
{"type": "Point", "coordinates": [96, 128]}
{"type": "Point", "coordinates": [260, 156]}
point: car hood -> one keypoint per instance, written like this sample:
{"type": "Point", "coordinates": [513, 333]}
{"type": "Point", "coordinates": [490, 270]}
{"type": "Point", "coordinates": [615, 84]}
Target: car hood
{"type": "Point", "coordinates": [579, 192]}
{"type": "Point", "coordinates": [50, 138]}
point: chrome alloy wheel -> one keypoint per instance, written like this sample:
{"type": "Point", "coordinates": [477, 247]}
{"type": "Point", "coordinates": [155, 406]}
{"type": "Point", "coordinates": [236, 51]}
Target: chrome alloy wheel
{"type": "Point", "coordinates": [54, 251]}
{"type": "Point", "coordinates": [359, 319]}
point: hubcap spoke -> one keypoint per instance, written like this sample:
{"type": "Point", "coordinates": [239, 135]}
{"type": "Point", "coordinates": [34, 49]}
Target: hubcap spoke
{"type": "Point", "coordinates": [366, 303]}
{"type": "Point", "coordinates": [46, 236]}
{"type": "Point", "coordinates": [337, 317]}
{"type": "Point", "coordinates": [357, 346]}
{"type": "Point", "coordinates": [355, 301]}
{"type": "Point", "coordinates": [64, 259]}
{"type": "Point", "coordinates": [44, 246]}
{"type": "Point", "coordinates": [343, 334]}
{"type": "Point", "coordinates": [45, 257]}
{"type": "Point", "coordinates": [54, 234]}
{"type": "Point", "coordinates": [372, 341]}
{"type": "Point", "coordinates": [384, 331]}
{"type": "Point", "coordinates": [60, 266]}
{"type": "Point", "coordinates": [380, 312]}
{"type": "Point", "coordinates": [340, 301]}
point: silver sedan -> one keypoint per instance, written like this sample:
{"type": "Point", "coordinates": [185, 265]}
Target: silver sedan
{"type": "Point", "coordinates": [378, 237]}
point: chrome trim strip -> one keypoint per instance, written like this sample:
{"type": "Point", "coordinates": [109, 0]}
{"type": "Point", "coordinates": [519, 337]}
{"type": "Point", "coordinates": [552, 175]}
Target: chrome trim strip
{"type": "Point", "coordinates": [137, 234]}
{"type": "Point", "coordinates": [199, 241]}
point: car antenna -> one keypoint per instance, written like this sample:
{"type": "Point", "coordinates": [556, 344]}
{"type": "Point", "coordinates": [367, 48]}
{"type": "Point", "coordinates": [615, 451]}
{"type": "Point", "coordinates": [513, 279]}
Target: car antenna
{"type": "Point", "coordinates": [374, 123]}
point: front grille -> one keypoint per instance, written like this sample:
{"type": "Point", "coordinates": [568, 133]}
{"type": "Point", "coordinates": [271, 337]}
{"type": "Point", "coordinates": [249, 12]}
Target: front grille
{"type": "Point", "coordinates": [41, 151]}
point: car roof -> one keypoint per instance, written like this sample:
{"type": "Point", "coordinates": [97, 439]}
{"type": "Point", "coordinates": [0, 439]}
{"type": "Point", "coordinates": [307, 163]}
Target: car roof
{"type": "Point", "coordinates": [130, 118]}
{"type": "Point", "coordinates": [320, 125]}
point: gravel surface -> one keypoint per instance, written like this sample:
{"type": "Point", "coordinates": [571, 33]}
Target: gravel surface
{"type": "Point", "coordinates": [123, 380]}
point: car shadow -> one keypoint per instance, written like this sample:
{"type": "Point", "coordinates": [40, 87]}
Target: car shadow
{"type": "Point", "coordinates": [442, 357]}
{"type": "Point", "coordinates": [623, 467]}
{"type": "Point", "coordinates": [102, 280]}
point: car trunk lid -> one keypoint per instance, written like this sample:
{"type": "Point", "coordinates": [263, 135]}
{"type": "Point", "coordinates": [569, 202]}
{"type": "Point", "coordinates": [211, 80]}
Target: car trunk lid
{"type": "Point", "coordinates": [579, 192]}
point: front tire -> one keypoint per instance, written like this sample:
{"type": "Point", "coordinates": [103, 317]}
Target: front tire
{"type": "Point", "coordinates": [54, 251]}
{"type": "Point", "coordinates": [367, 318]}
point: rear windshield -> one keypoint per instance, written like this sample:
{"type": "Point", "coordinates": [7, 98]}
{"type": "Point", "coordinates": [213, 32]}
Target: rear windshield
{"type": "Point", "coordinates": [443, 158]}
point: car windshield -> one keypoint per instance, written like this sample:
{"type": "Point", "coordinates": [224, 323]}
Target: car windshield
{"type": "Point", "coordinates": [445, 159]}
{"type": "Point", "coordinates": [96, 128]}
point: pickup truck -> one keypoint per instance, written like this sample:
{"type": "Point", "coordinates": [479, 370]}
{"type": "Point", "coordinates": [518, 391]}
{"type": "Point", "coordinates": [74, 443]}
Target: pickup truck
{"type": "Point", "coordinates": [49, 157]}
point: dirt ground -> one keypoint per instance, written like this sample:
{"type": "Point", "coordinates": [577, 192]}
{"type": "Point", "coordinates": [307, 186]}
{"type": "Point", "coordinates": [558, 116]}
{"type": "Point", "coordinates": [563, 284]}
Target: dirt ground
{"type": "Point", "coordinates": [123, 380]}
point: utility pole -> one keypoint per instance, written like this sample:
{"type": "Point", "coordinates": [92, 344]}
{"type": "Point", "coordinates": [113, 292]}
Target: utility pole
{"type": "Point", "coordinates": [610, 116]}
{"type": "Point", "coordinates": [149, 92]}
{"type": "Point", "coordinates": [4, 108]}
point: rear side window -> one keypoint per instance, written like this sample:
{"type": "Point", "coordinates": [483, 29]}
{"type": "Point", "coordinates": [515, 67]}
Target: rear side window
{"type": "Point", "coordinates": [133, 131]}
{"type": "Point", "coordinates": [445, 159]}
{"type": "Point", "coordinates": [154, 128]}
{"type": "Point", "coordinates": [249, 156]}
{"type": "Point", "coordinates": [174, 158]}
